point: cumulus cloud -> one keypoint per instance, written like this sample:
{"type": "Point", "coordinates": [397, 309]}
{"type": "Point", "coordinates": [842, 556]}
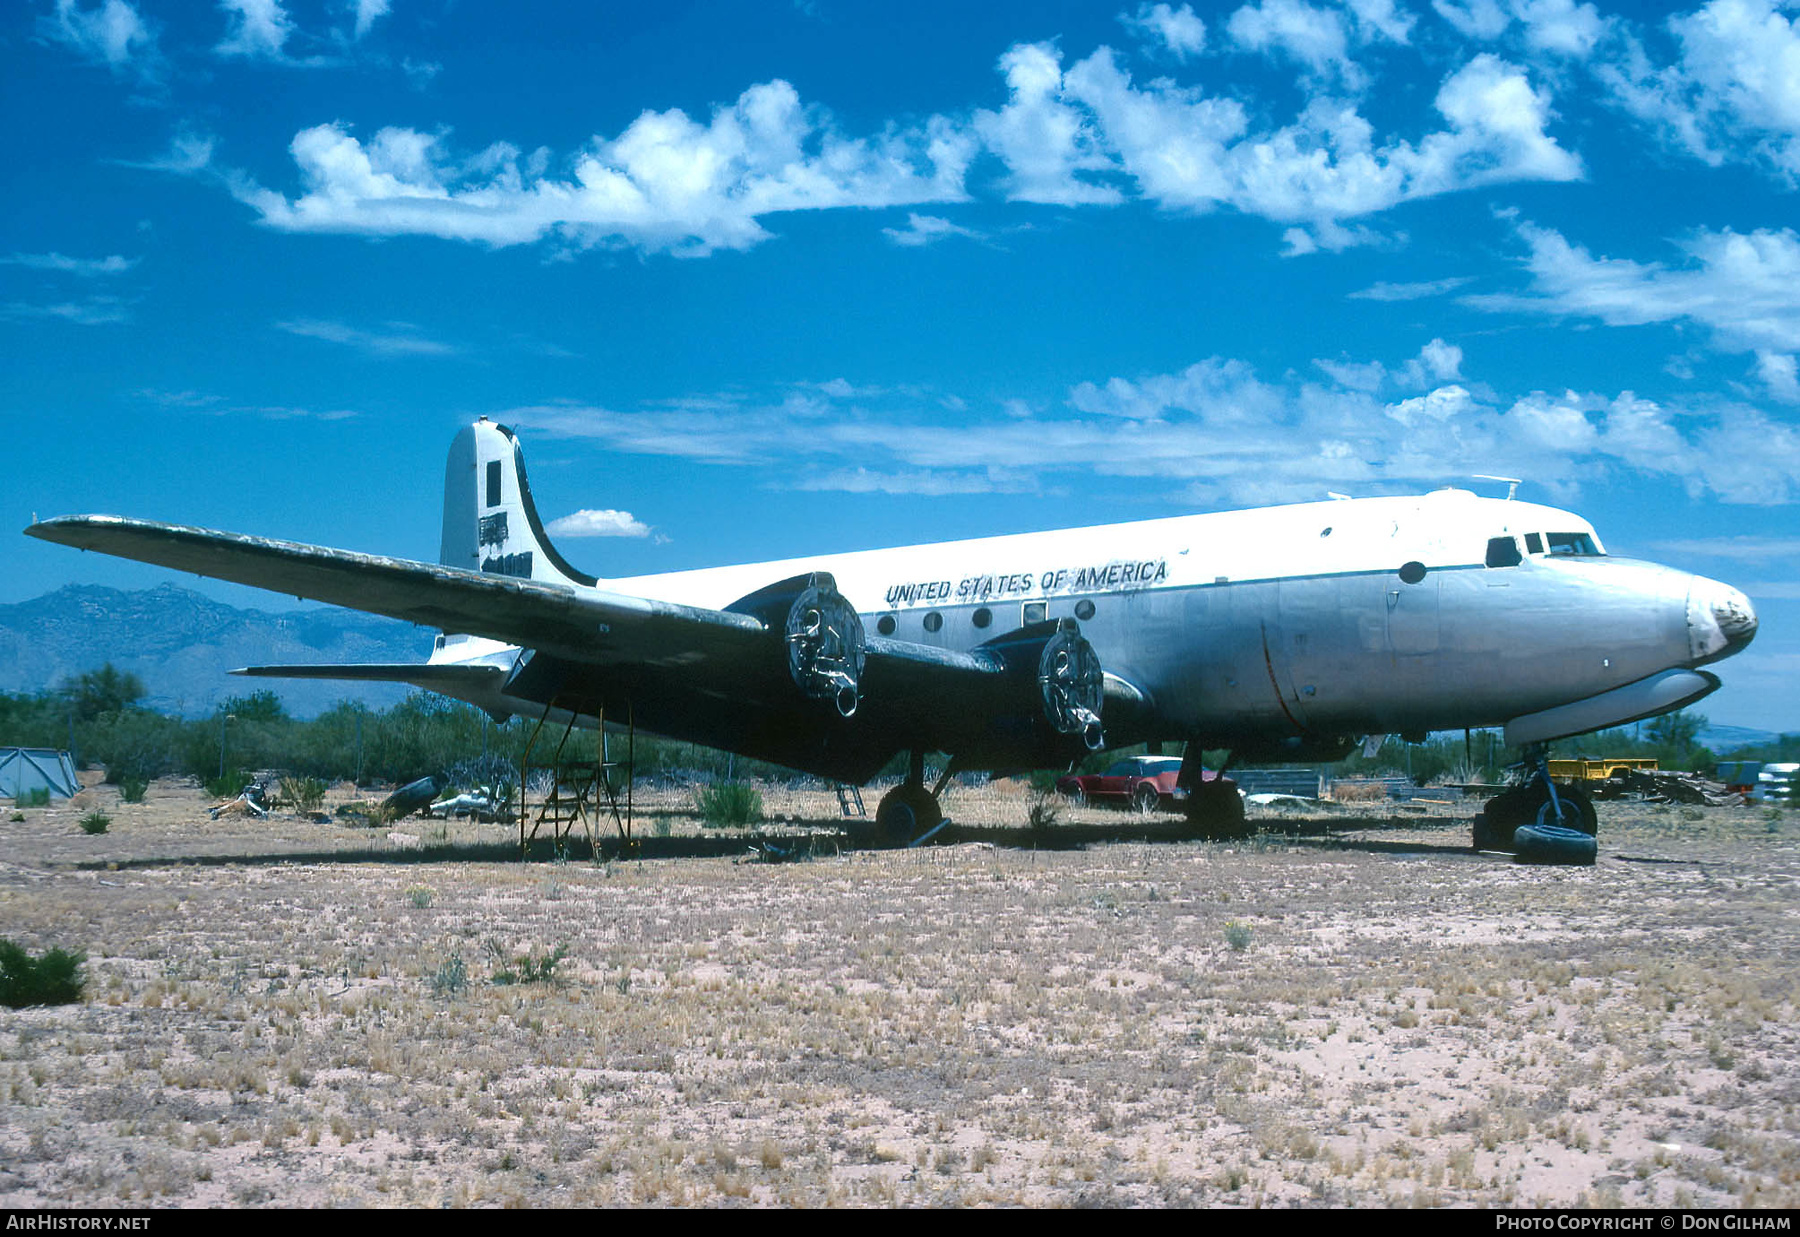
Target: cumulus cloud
{"type": "Point", "coordinates": [603, 523]}
{"type": "Point", "coordinates": [1732, 91]}
{"type": "Point", "coordinates": [1185, 150]}
{"type": "Point", "coordinates": [399, 339]}
{"type": "Point", "coordinates": [1745, 288]}
{"type": "Point", "coordinates": [255, 29]}
{"type": "Point", "coordinates": [667, 183]}
{"type": "Point", "coordinates": [1178, 31]}
{"type": "Point", "coordinates": [1087, 136]}
{"type": "Point", "coordinates": [112, 264]}
{"type": "Point", "coordinates": [112, 33]}
{"type": "Point", "coordinates": [1312, 37]}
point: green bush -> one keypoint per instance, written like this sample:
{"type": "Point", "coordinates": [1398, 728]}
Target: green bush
{"type": "Point", "coordinates": [131, 789]}
{"type": "Point", "coordinates": [39, 797]}
{"type": "Point", "coordinates": [96, 822]}
{"type": "Point", "coordinates": [729, 804]}
{"type": "Point", "coordinates": [230, 786]}
{"type": "Point", "coordinates": [533, 968]}
{"type": "Point", "coordinates": [54, 979]}
{"type": "Point", "coordinates": [305, 793]}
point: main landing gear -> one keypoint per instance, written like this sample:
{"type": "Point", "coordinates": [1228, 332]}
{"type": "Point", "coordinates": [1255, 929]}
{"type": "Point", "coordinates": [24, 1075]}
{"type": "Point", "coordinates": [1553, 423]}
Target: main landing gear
{"type": "Point", "coordinates": [1543, 807]}
{"type": "Point", "coordinates": [909, 811]}
{"type": "Point", "coordinates": [1214, 808]}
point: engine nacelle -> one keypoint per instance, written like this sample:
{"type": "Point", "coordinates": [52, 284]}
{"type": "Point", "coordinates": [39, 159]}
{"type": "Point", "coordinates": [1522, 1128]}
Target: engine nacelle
{"type": "Point", "coordinates": [1059, 675]}
{"type": "Point", "coordinates": [822, 635]}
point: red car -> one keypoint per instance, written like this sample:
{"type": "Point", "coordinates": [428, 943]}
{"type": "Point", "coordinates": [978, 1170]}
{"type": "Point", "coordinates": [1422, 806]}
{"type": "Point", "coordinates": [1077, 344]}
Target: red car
{"type": "Point", "coordinates": [1142, 782]}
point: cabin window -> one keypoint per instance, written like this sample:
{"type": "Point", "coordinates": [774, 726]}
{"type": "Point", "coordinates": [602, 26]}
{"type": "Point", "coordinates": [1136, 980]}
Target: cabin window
{"type": "Point", "coordinates": [982, 617]}
{"type": "Point", "coordinates": [1572, 544]}
{"type": "Point", "coordinates": [1503, 552]}
{"type": "Point", "coordinates": [493, 483]}
{"type": "Point", "coordinates": [933, 621]}
{"type": "Point", "coordinates": [885, 624]}
{"type": "Point", "coordinates": [1084, 609]}
{"type": "Point", "coordinates": [1534, 544]}
{"type": "Point", "coordinates": [1033, 612]}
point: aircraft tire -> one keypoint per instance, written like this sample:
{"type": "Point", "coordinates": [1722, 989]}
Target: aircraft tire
{"type": "Point", "coordinates": [905, 812]}
{"type": "Point", "coordinates": [1577, 812]}
{"type": "Point", "coordinates": [1554, 844]}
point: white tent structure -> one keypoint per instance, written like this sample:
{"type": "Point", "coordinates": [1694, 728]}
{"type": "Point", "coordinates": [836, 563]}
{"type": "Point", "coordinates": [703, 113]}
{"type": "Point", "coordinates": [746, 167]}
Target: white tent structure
{"type": "Point", "coordinates": [25, 769]}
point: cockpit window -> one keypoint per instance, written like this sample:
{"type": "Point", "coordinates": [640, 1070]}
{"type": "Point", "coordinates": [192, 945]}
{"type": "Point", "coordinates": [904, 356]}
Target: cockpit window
{"type": "Point", "coordinates": [1572, 544]}
{"type": "Point", "coordinates": [1534, 544]}
{"type": "Point", "coordinates": [1503, 552]}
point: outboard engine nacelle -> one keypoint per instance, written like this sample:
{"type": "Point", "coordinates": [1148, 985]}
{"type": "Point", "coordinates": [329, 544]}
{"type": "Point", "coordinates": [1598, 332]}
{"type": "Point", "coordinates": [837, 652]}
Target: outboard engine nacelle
{"type": "Point", "coordinates": [821, 632]}
{"type": "Point", "coordinates": [1058, 667]}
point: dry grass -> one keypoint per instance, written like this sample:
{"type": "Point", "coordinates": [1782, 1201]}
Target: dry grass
{"type": "Point", "coordinates": [1404, 1022]}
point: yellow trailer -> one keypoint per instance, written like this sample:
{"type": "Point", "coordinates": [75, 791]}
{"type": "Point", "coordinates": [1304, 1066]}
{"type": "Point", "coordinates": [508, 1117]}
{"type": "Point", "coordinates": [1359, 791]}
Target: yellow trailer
{"type": "Point", "coordinates": [1599, 769]}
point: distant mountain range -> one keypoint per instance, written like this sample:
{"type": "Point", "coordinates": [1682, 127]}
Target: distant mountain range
{"type": "Point", "coordinates": [182, 645]}
{"type": "Point", "coordinates": [1729, 738]}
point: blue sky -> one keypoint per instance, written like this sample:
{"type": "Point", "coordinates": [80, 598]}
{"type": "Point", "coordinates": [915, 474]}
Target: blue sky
{"type": "Point", "coordinates": [759, 280]}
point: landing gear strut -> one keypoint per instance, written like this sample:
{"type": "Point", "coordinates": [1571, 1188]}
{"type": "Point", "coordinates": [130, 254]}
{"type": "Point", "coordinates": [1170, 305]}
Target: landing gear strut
{"type": "Point", "coordinates": [1539, 801]}
{"type": "Point", "coordinates": [909, 810]}
{"type": "Point", "coordinates": [1214, 808]}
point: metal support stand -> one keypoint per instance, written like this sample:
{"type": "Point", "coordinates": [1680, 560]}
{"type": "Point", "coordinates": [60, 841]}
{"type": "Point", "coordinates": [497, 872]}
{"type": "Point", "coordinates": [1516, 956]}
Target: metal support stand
{"type": "Point", "coordinates": [576, 785]}
{"type": "Point", "coordinates": [850, 800]}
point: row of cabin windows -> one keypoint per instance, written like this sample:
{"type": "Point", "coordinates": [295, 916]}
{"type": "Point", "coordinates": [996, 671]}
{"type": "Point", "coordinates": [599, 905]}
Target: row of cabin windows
{"type": "Point", "coordinates": [1029, 613]}
{"type": "Point", "coordinates": [1504, 551]}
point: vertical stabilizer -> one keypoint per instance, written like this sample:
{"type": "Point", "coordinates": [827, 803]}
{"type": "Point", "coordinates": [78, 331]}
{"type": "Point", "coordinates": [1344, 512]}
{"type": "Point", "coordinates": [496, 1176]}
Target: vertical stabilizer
{"type": "Point", "coordinates": [490, 522]}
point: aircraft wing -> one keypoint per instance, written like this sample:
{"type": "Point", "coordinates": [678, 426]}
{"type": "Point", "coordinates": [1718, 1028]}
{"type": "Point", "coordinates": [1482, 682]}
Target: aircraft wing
{"type": "Point", "coordinates": [588, 624]}
{"type": "Point", "coordinates": [729, 676]}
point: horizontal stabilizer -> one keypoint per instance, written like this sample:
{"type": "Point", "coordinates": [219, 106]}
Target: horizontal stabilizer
{"type": "Point", "coordinates": [446, 679]}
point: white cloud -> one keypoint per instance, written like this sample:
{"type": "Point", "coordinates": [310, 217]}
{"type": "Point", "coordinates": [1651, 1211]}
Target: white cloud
{"type": "Point", "coordinates": [1087, 136]}
{"type": "Point", "coordinates": [1564, 27]}
{"type": "Point", "coordinates": [1189, 151]}
{"type": "Point", "coordinates": [1177, 30]}
{"type": "Point", "coordinates": [399, 340]}
{"type": "Point", "coordinates": [112, 32]}
{"type": "Point", "coordinates": [665, 183]}
{"type": "Point", "coordinates": [1216, 432]}
{"type": "Point", "coordinates": [592, 523]}
{"type": "Point", "coordinates": [926, 229]}
{"type": "Point", "coordinates": [1044, 141]}
{"type": "Point", "coordinates": [112, 264]}
{"type": "Point", "coordinates": [255, 29]}
{"type": "Point", "coordinates": [1474, 19]}
{"type": "Point", "coordinates": [1745, 288]}
{"type": "Point", "coordinates": [1778, 373]}
{"type": "Point", "coordinates": [368, 12]}
{"type": "Point", "coordinates": [1383, 291]}
{"type": "Point", "coordinates": [1315, 38]}
{"type": "Point", "coordinates": [1382, 19]}
{"type": "Point", "coordinates": [90, 311]}
{"type": "Point", "coordinates": [1732, 93]}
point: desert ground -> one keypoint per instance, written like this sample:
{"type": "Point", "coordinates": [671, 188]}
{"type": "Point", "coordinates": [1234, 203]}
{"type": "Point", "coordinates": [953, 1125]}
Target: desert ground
{"type": "Point", "coordinates": [1351, 1009]}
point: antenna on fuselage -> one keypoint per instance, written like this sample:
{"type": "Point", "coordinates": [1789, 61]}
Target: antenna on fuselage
{"type": "Point", "coordinates": [1512, 483]}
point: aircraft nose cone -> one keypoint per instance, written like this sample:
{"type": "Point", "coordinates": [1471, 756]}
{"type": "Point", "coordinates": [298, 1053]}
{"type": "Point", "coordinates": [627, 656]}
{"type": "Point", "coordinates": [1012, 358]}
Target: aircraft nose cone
{"type": "Point", "coordinates": [1721, 620]}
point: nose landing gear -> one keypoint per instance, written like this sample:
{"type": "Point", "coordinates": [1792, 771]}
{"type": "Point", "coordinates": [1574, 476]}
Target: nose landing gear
{"type": "Point", "coordinates": [1539, 803]}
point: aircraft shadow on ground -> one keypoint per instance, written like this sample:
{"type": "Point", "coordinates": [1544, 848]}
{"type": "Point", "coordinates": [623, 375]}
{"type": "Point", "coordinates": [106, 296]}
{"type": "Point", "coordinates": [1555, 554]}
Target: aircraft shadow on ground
{"type": "Point", "coordinates": [831, 838]}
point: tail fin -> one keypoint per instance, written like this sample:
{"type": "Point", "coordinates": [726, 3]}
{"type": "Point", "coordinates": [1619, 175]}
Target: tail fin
{"type": "Point", "coordinates": [490, 522]}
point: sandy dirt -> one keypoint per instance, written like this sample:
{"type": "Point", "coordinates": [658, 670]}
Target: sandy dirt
{"type": "Point", "coordinates": [1355, 1010]}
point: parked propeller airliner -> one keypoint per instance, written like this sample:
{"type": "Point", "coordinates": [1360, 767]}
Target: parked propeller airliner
{"type": "Point", "coordinates": [1280, 632]}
